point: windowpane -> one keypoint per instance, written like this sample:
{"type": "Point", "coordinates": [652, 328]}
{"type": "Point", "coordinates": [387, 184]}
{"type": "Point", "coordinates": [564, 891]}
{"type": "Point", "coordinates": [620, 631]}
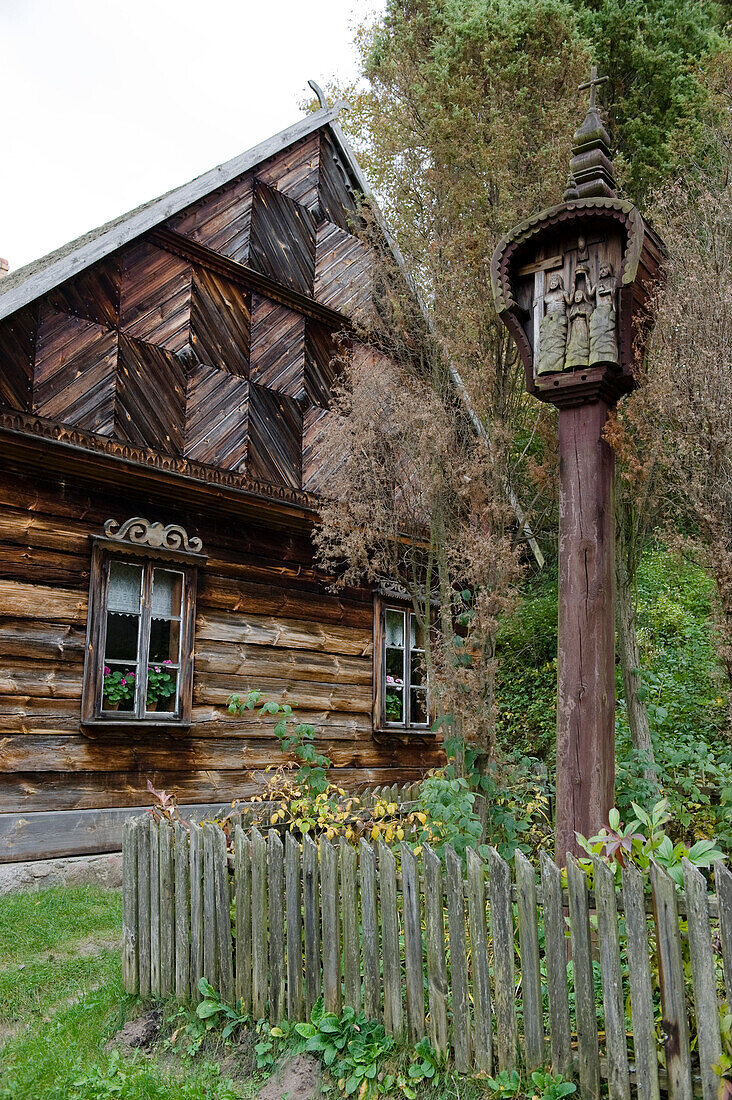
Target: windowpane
{"type": "Point", "coordinates": [417, 669]}
{"type": "Point", "coordinates": [164, 641]}
{"type": "Point", "coordinates": [418, 706]}
{"type": "Point", "coordinates": [124, 587]}
{"type": "Point", "coordinates": [395, 628]}
{"type": "Point", "coordinates": [162, 688]}
{"type": "Point", "coordinates": [118, 688]}
{"type": "Point", "coordinates": [395, 666]}
{"type": "Point", "coordinates": [122, 631]}
{"type": "Point", "coordinates": [167, 593]}
{"type": "Point", "coordinates": [394, 703]}
{"type": "Point", "coordinates": [416, 633]}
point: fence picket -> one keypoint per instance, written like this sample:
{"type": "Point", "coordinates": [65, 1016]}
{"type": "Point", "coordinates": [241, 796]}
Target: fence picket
{"type": "Point", "coordinates": [331, 927]}
{"type": "Point", "coordinates": [671, 981]}
{"type": "Point", "coordinates": [349, 908]}
{"type": "Point", "coordinates": [584, 988]}
{"type": "Point", "coordinates": [167, 945]}
{"type": "Point", "coordinates": [413, 953]}
{"type": "Point", "coordinates": [393, 1015]}
{"type": "Point", "coordinates": [461, 1039]}
{"type": "Point", "coordinates": [129, 908]}
{"type": "Point", "coordinates": [293, 902]}
{"type": "Point", "coordinates": [276, 883]}
{"type": "Point", "coordinates": [479, 953]}
{"type": "Point", "coordinates": [641, 993]}
{"type": "Point", "coordinates": [196, 861]}
{"type": "Point", "coordinates": [312, 927]}
{"type": "Point", "coordinates": [210, 969]}
{"type": "Point", "coordinates": [612, 982]}
{"type": "Point", "coordinates": [182, 914]}
{"type": "Point", "coordinates": [224, 954]}
{"type": "Point", "coordinates": [143, 905]}
{"type": "Point", "coordinates": [499, 893]}
{"type": "Point", "coordinates": [528, 924]}
{"type": "Point", "coordinates": [243, 918]}
{"type": "Point", "coordinates": [436, 964]}
{"type": "Point", "coordinates": [154, 908]}
{"type": "Point", "coordinates": [723, 882]}
{"type": "Point", "coordinates": [555, 954]}
{"type": "Point", "coordinates": [370, 927]}
{"type": "Point", "coordinates": [703, 982]}
{"type": "Point", "coordinates": [259, 924]}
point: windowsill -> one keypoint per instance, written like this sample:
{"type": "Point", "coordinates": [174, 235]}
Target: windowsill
{"type": "Point", "coordinates": [159, 722]}
{"type": "Point", "coordinates": [405, 733]}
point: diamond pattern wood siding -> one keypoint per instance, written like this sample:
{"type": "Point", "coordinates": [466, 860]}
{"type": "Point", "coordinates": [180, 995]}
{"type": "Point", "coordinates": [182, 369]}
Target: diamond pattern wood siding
{"type": "Point", "coordinates": [220, 322]}
{"type": "Point", "coordinates": [274, 454]}
{"type": "Point", "coordinates": [75, 374]}
{"type": "Point", "coordinates": [316, 466]}
{"type": "Point", "coordinates": [278, 347]}
{"type": "Point", "coordinates": [151, 397]}
{"type": "Point", "coordinates": [283, 239]}
{"type": "Point", "coordinates": [93, 294]}
{"type": "Point", "coordinates": [336, 201]}
{"type": "Point", "coordinates": [342, 275]}
{"type": "Point", "coordinates": [155, 297]}
{"type": "Point", "coordinates": [221, 221]}
{"type": "Point", "coordinates": [217, 408]}
{"type": "Point", "coordinates": [295, 171]}
{"type": "Point", "coordinates": [17, 353]}
{"type": "Point", "coordinates": [323, 362]}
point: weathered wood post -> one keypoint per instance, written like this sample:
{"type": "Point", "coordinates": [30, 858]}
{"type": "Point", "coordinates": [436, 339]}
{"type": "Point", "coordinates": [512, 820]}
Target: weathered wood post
{"type": "Point", "coordinates": [572, 285]}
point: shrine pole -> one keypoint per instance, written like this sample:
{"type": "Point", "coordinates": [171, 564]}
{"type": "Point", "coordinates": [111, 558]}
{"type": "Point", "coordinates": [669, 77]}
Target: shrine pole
{"type": "Point", "coordinates": [573, 286]}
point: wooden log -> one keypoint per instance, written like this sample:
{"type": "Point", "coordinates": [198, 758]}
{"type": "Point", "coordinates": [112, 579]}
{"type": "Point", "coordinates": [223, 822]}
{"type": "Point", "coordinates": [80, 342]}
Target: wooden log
{"type": "Point", "coordinates": [616, 1046]}
{"type": "Point", "coordinates": [196, 862]}
{"type": "Point", "coordinates": [723, 881]}
{"type": "Point", "coordinates": [706, 1005]}
{"type": "Point", "coordinates": [331, 927]}
{"type": "Point", "coordinates": [481, 972]}
{"type": "Point", "coordinates": [349, 909]}
{"type": "Point", "coordinates": [393, 1014]}
{"type": "Point", "coordinates": [210, 967]}
{"type": "Point", "coordinates": [434, 920]}
{"type": "Point", "coordinates": [224, 953]}
{"type": "Point", "coordinates": [461, 1038]}
{"type": "Point", "coordinates": [167, 925]}
{"type": "Point", "coordinates": [413, 953]}
{"type": "Point", "coordinates": [311, 923]}
{"type": "Point", "coordinates": [671, 980]}
{"type": "Point", "coordinates": [143, 905]}
{"type": "Point", "coordinates": [641, 991]}
{"type": "Point", "coordinates": [370, 925]}
{"type": "Point", "coordinates": [182, 914]}
{"type": "Point", "coordinates": [293, 895]}
{"type": "Point", "coordinates": [154, 908]}
{"type": "Point", "coordinates": [243, 919]}
{"type": "Point", "coordinates": [584, 987]}
{"type": "Point", "coordinates": [130, 931]}
{"type": "Point", "coordinates": [555, 953]}
{"type": "Point", "coordinates": [276, 883]}
{"type": "Point", "coordinates": [528, 924]}
{"type": "Point", "coordinates": [501, 918]}
{"type": "Point", "coordinates": [259, 924]}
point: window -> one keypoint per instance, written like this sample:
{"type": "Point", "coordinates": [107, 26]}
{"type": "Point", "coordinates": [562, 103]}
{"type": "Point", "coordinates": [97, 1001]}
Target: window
{"type": "Point", "coordinates": [402, 694]}
{"type": "Point", "coordinates": [139, 662]}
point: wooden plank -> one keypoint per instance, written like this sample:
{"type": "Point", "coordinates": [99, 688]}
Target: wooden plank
{"type": "Point", "coordinates": [224, 952]}
{"type": "Point", "coordinates": [311, 923]}
{"type": "Point", "coordinates": [210, 968]}
{"type": "Point", "coordinates": [723, 881]}
{"type": "Point", "coordinates": [243, 919]}
{"type": "Point", "coordinates": [349, 909]}
{"type": "Point", "coordinates": [329, 899]}
{"type": "Point", "coordinates": [370, 926]}
{"type": "Point", "coordinates": [196, 863]}
{"type": "Point", "coordinates": [154, 908]}
{"type": "Point", "coordinates": [480, 967]}
{"type": "Point", "coordinates": [434, 920]}
{"type": "Point", "coordinates": [584, 988]}
{"type": "Point", "coordinates": [167, 925]}
{"type": "Point", "coordinates": [528, 924]}
{"type": "Point", "coordinates": [555, 954]}
{"type": "Point", "coordinates": [182, 914]}
{"type": "Point", "coordinates": [641, 991]}
{"type": "Point", "coordinates": [393, 1014]}
{"type": "Point", "coordinates": [259, 924]}
{"type": "Point", "coordinates": [616, 1047]}
{"type": "Point", "coordinates": [671, 980]}
{"type": "Point", "coordinates": [130, 932]}
{"type": "Point", "coordinates": [413, 953]}
{"type": "Point", "coordinates": [706, 1004]}
{"type": "Point", "coordinates": [293, 894]}
{"type": "Point", "coordinates": [276, 884]}
{"type": "Point", "coordinates": [143, 905]}
{"type": "Point", "coordinates": [501, 918]}
{"type": "Point", "coordinates": [461, 1039]}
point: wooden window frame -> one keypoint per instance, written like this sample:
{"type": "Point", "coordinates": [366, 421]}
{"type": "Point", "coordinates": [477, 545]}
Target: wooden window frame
{"type": "Point", "coordinates": [382, 604]}
{"type": "Point", "coordinates": [104, 551]}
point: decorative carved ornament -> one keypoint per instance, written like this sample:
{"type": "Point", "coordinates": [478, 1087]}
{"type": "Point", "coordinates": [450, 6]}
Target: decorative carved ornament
{"type": "Point", "coordinates": [141, 532]}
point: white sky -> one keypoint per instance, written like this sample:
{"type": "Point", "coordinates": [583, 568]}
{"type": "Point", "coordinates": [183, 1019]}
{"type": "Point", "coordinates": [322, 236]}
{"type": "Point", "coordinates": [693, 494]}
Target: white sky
{"type": "Point", "coordinates": [109, 104]}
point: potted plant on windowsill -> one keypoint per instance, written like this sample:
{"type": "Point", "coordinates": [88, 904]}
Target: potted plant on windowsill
{"type": "Point", "coordinates": [393, 699]}
{"type": "Point", "coordinates": [160, 685]}
{"type": "Point", "coordinates": [118, 687]}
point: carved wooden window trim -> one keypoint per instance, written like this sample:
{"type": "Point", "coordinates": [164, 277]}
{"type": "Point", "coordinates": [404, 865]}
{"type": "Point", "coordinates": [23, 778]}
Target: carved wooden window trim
{"type": "Point", "coordinates": [383, 723]}
{"type": "Point", "coordinates": [148, 548]}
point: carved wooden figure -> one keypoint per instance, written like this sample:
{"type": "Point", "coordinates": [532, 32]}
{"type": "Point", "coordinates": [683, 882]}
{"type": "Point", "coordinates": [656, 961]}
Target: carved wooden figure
{"type": "Point", "coordinates": [572, 285]}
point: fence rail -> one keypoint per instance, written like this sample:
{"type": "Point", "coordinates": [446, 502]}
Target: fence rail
{"type": "Point", "coordinates": [497, 969]}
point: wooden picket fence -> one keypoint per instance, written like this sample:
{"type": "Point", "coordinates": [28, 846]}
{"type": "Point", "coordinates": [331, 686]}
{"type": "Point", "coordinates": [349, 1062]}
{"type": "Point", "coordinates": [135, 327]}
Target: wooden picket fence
{"type": "Point", "coordinates": [498, 970]}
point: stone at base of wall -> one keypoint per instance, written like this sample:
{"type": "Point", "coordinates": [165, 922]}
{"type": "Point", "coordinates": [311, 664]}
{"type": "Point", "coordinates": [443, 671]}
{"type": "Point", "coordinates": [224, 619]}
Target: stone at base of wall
{"type": "Point", "coordinates": [39, 874]}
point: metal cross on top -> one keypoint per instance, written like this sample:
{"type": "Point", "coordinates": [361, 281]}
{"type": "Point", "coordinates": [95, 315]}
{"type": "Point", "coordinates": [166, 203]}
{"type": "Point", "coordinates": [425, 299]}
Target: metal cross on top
{"type": "Point", "coordinates": [593, 84]}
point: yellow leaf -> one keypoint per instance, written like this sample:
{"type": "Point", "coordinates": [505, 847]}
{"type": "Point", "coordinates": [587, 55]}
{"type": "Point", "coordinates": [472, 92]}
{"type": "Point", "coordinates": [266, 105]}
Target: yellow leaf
{"type": "Point", "coordinates": [274, 819]}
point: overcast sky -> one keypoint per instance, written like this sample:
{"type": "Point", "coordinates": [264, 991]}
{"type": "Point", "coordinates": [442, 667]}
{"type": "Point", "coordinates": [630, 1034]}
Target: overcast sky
{"type": "Point", "coordinates": [108, 104]}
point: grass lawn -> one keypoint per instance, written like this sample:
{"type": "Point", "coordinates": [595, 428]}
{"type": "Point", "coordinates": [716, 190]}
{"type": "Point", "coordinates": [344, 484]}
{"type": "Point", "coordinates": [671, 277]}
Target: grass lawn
{"type": "Point", "coordinates": [61, 1000]}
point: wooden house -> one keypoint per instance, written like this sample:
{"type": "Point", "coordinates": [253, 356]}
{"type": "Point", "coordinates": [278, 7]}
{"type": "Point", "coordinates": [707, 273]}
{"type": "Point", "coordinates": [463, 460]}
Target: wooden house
{"type": "Point", "coordinates": [163, 384]}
